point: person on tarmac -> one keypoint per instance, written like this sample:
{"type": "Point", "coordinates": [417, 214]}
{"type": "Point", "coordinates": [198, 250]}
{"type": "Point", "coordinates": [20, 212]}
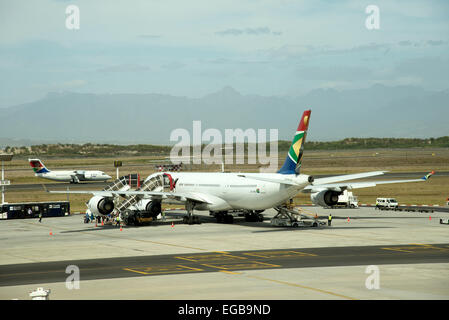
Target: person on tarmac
{"type": "Point", "coordinates": [329, 221]}
{"type": "Point", "coordinates": [40, 216]}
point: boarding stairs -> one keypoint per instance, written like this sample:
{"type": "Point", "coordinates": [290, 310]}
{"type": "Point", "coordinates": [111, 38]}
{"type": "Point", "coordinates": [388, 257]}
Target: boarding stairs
{"type": "Point", "coordinates": [154, 182]}
{"type": "Point", "coordinates": [119, 184]}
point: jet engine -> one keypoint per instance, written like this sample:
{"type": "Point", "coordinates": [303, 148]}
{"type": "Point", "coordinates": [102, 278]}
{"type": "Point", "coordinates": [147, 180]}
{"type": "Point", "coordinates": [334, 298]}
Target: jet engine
{"type": "Point", "coordinates": [153, 207]}
{"type": "Point", "coordinates": [325, 198]}
{"type": "Point", "coordinates": [100, 205]}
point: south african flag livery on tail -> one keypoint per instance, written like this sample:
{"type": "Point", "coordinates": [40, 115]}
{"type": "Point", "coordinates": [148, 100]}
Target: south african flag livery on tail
{"type": "Point", "coordinates": [292, 163]}
{"type": "Point", "coordinates": [38, 166]}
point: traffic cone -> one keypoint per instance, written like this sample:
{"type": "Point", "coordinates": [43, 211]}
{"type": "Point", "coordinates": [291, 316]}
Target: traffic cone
{"type": "Point", "coordinates": [102, 223]}
{"type": "Point", "coordinates": [430, 218]}
{"type": "Point", "coordinates": [51, 233]}
{"type": "Point", "coordinates": [172, 224]}
{"type": "Point", "coordinates": [348, 219]}
{"type": "Point", "coordinates": [121, 228]}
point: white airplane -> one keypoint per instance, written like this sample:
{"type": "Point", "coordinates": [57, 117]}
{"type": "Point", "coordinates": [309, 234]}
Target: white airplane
{"type": "Point", "coordinates": [72, 176]}
{"type": "Point", "coordinates": [220, 192]}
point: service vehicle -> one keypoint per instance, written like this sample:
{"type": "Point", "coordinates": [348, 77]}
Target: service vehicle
{"type": "Point", "coordinates": [386, 203]}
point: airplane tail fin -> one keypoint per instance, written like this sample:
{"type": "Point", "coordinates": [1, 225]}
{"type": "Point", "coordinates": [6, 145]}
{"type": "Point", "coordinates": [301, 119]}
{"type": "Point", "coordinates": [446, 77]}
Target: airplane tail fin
{"type": "Point", "coordinates": [292, 163]}
{"type": "Point", "coordinates": [38, 166]}
{"type": "Point", "coordinates": [427, 176]}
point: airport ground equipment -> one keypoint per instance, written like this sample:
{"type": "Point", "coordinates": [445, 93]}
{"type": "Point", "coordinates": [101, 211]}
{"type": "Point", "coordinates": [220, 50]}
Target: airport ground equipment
{"type": "Point", "coordinates": [129, 210]}
{"type": "Point", "coordinates": [348, 200]}
{"type": "Point", "coordinates": [386, 203]}
{"type": "Point", "coordinates": [406, 208]}
{"type": "Point", "coordinates": [118, 184]}
{"type": "Point", "coordinates": [48, 209]}
{"type": "Point", "coordinates": [154, 183]}
{"type": "Point", "coordinates": [168, 167]}
{"type": "Point", "coordinates": [228, 216]}
{"type": "Point", "coordinates": [124, 183]}
{"type": "Point", "coordinates": [294, 217]}
{"type": "Point", "coordinates": [345, 200]}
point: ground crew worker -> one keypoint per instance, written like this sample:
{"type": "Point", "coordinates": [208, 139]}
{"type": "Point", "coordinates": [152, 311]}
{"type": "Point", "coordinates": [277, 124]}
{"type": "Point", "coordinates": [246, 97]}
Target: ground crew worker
{"type": "Point", "coordinates": [329, 221]}
{"type": "Point", "coordinates": [117, 220]}
{"type": "Point", "coordinates": [40, 216]}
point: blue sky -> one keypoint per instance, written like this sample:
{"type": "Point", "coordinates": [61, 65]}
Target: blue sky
{"type": "Point", "coordinates": [193, 48]}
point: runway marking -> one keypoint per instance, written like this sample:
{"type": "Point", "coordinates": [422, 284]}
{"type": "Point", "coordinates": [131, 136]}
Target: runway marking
{"type": "Point", "coordinates": [131, 270]}
{"type": "Point", "coordinates": [112, 236]}
{"type": "Point", "coordinates": [210, 257]}
{"type": "Point", "coordinates": [428, 246]}
{"type": "Point", "coordinates": [240, 266]}
{"type": "Point", "coordinates": [397, 249]}
{"type": "Point", "coordinates": [230, 272]}
{"type": "Point", "coordinates": [163, 269]}
{"type": "Point", "coordinates": [53, 271]}
{"type": "Point", "coordinates": [279, 254]}
{"type": "Point", "coordinates": [414, 247]}
{"type": "Point", "coordinates": [303, 287]}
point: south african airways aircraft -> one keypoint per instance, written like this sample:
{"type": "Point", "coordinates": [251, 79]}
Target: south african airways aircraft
{"type": "Point", "coordinates": [220, 192]}
{"type": "Point", "coordinates": [72, 176]}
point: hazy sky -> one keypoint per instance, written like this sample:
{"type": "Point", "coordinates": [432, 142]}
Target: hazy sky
{"type": "Point", "coordinates": [196, 47]}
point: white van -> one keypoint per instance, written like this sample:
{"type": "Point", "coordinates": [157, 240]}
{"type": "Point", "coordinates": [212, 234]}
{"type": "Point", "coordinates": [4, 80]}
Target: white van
{"type": "Point", "coordinates": [386, 203]}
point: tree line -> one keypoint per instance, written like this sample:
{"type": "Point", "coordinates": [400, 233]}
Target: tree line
{"type": "Point", "coordinates": [104, 150]}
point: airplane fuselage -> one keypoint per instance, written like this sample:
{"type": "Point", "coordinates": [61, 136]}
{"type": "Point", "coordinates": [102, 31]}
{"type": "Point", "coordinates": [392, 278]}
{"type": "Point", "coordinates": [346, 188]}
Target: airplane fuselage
{"type": "Point", "coordinates": [229, 191]}
{"type": "Point", "coordinates": [68, 175]}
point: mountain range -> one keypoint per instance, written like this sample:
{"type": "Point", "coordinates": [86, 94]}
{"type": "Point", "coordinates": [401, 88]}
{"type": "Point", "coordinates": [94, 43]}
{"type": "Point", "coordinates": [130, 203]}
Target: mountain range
{"type": "Point", "coordinates": [376, 111]}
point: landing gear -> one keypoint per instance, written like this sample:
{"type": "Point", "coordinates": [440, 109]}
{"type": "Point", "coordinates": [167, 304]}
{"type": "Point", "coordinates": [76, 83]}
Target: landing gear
{"type": "Point", "coordinates": [190, 218]}
{"type": "Point", "coordinates": [223, 217]}
{"type": "Point", "coordinates": [228, 216]}
{"type": "Point", "coordinates": [253, 216]}
{"type": "Point", "coordinates": [75, 179]}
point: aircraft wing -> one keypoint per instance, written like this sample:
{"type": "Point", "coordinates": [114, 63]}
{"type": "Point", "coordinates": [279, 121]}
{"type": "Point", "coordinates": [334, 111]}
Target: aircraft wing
{"type": "Point", "coordinates": [320, 181]}
{"type": "Point", "coordinates": [281, 181]}
{"type": "Point", "coordinates": [357, 185]}
{"type": "Point", "coordinates": [92, 192]}
{"type": "Point", "coordinates": [347, 177]}
{"type": "Point", "coordinates": [180, 196]}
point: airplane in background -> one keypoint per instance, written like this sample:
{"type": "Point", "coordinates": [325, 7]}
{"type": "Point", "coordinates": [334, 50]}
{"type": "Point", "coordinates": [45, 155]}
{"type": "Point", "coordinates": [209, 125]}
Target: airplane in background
{"type": "Point", "coordinates": [222, 192]}
{"type": "Point", "coordinates": [72, 176]}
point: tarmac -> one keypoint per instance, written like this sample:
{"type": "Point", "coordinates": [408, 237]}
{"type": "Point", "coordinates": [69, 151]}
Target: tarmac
{"type": "Point", "coordinates": [408, 252]}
